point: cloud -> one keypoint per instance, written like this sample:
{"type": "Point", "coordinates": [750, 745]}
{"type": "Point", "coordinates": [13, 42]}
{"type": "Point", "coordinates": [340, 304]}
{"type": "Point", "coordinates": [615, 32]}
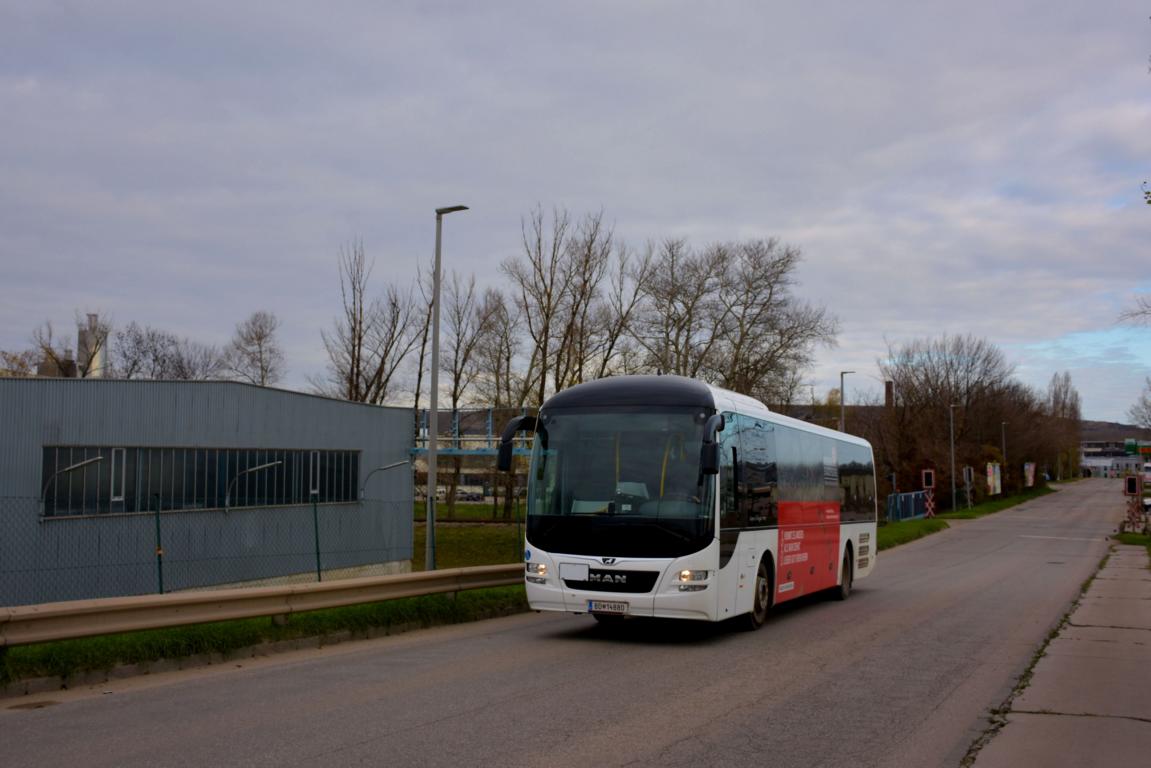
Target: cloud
{"type": "Point", "coordinates": [944, 167]}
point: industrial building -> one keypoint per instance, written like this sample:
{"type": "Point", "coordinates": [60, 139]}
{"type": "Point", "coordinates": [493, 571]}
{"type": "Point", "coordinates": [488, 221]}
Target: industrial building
{"type": "Point", "coordinates": [112, 487]}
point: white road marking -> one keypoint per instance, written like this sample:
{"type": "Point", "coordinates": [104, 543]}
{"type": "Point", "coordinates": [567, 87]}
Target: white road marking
{"type": "Point", "coordinates": [1060, 538]}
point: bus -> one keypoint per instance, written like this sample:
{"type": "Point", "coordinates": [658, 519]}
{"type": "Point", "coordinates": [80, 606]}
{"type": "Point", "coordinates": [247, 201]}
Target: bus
{"type": "Point", "coordinates": [664, 496]}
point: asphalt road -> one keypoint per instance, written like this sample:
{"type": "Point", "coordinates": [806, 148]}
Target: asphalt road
{"type": "Point", "coordinates": [902, 674]}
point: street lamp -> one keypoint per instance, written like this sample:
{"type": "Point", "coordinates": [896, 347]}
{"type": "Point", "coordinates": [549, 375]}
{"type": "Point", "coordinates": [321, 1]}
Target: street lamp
{"type": "Point", "coordinates": [380, 469]}
{"type": "Point", "coordinates": [228, 492]}
{"type": "Point", "coordinates": [1003, 438]}
{"type": "Point", "coordinates": [433, 410]}
{"type": "Point", "coordinates": [842, 399]}
{"type": "Point", "coordinates": [64, 471]}
{"type": "Point", "coordinates": [951, 414]}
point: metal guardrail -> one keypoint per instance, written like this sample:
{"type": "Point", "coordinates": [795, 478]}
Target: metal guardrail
{"type": "Point", "coordinates": [24, 624]}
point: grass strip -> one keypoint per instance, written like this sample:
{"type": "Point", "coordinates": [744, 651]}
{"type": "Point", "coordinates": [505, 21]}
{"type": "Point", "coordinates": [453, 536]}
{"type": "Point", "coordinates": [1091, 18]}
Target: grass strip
{"type": "Point", "coordinates": [67, 658]}
{"type": "Point", "coordinates": [894, 534]}
{"type": "Point", "coordinates": [468, 512]}
{"type": "Point", "coordinates": [997, 505]}
{"type": "Point", "coordinates": [1136, 539]}
{"type": "Point", "coordinates": [461, 546]}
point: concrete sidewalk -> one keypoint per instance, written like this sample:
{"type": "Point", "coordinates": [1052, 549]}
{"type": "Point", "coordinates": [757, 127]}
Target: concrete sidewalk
{"type": "Point", "coordinates": [1089, 699]}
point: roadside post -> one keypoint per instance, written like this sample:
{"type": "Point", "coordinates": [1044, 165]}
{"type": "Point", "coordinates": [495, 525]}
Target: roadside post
{"type": "Point", "coordinates": [159, 546]}
{"type": "Point", "coordinates": [1136, 521]}
{"type": "Point", "coordinates": [927, 480]}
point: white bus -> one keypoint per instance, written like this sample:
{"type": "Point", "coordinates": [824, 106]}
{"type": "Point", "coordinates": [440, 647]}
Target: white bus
{"type": "Point", "coordinates": [664, 496]}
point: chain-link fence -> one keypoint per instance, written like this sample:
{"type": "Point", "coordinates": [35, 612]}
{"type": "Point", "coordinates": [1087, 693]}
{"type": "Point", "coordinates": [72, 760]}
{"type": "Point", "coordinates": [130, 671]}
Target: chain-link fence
{"type": "Point", "coordinates": [48, 558]}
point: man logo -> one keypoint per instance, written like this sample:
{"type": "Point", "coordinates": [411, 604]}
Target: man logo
{"type": "Point", "coordinates": [607, 560]}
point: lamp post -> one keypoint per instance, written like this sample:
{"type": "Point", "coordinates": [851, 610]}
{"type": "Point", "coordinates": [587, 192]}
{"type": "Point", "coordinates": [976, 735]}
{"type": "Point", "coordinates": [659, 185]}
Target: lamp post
{"type": "Point", "coordinates": [842, 400]}
{"type": "Point", "coordinates": [228, 492]}
{"type": "Point", "coordinates": [393, 465]}
{"type": "Point", "coordinates": [433, 409]}
{"type": "Point", "coordinates": [1003, 439]}
{"type": "Point", "coordinates": [951, 414]}
{"type": "Point", "coordinates": [64, 471]}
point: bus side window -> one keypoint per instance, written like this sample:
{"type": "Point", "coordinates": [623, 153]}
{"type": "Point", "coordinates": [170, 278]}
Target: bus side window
{"type": "Point", "coordinates": [758, 475]}
{"type": "Point", "coordinates": [729, 479]}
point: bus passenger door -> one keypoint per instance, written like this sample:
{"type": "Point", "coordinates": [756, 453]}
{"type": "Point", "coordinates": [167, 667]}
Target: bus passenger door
{"type": "Point", "coordinates": [730, 523]}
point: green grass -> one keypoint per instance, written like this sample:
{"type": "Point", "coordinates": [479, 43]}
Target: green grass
{"type": "Point", "coordinates": [467, 512]}
{"type": "Point", "coordinates": [1137, 539]}
{"type": "Point", "coordinates": [997, 505]}
{"type": "Point", "coordinates": [894, 534]}
{"type": "Point", "coordinates": [67, 658]}
{"type": "Point", "coordinates": [460, 546]}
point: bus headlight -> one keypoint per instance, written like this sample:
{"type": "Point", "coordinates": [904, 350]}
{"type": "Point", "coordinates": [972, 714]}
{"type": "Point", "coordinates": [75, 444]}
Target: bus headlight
{"type": "Point", "coordinates": [689, 581]}
{"type": "Point", "coordinates": [536, 573]}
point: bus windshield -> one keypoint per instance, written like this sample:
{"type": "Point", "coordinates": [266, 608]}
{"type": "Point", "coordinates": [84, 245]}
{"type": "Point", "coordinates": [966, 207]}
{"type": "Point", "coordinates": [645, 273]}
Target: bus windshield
{"type": "Point", "coordinates": [619, 483]}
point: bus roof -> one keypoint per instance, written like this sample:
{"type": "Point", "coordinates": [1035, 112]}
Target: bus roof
{"type": "Point", "coordinates": [678, 391]}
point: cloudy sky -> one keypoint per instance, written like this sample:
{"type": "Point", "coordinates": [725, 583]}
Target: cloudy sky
{"type": "Point", "coordinates": [945, 167]}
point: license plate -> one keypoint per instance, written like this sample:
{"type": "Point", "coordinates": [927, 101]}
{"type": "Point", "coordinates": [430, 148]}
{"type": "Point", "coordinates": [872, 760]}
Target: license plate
{"type": "Point", "coordinates": [606, 606]}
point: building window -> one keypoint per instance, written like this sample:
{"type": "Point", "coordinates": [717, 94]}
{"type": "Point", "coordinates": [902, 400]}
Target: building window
{"type": "Point", "coordinates": [143, 479]}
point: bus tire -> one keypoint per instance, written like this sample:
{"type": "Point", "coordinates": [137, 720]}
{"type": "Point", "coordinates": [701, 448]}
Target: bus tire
{"type": "Point", "coordinates": [843, 591]}
{"type": "Point", "coordinates": [764, 592]}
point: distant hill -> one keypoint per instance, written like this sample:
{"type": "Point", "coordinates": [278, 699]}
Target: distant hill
{"type": "Point", "coordinates": [1110, 431]}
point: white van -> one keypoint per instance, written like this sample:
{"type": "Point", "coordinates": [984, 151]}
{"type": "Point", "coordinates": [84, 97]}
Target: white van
{"type": "Point", "coordinates": [1147, 473]}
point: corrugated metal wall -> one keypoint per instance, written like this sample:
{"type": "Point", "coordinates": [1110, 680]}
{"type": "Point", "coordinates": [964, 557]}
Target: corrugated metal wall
{"type": "Point", "coordinates": [63, 558]}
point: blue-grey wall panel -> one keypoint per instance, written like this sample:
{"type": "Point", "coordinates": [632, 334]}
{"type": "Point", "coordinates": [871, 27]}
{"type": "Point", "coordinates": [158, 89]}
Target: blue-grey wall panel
{"type": "Point", "coordinates": [47, 559]}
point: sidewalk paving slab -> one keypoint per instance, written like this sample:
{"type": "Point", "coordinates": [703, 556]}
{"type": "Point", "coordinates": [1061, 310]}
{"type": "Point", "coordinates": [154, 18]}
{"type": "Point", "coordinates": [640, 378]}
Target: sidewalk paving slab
{"type": "Point", "coordinates": [1078, 684]}
{"type": "Point", "coordinates": [1113, 612]}
{"type": "Point", "coordinates": [1135, 589]}
{"type": "Point", "coordinates": [1057, 741]}
{"type": "Point", "coordinates": [1104, 642]}
{"type": "Point", "coordinates": [1088, 701]}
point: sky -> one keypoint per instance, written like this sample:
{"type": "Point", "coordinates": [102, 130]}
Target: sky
{"type": "Point", "coordinates": [961, 168]}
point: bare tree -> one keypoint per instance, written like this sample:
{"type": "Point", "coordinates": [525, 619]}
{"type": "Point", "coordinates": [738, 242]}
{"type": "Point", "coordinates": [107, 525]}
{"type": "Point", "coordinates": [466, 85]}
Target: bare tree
{"type": "Point", "coordinates": [464, 325]}
{"type": "Point", "coordinates": [194, 361]}
{"type": "Point", "coordinates": [91, 356]}
{"type": "Point", "coordinates": [628, 282]}
{"type": "Point", "coordinates": [425, 281]}
{"type": "Point", "coordinates": [370, 339]}
{"type": "Point", "coordinates": [498, 381]}
{"type": "Point", "coordinates": [683, 309]}
{"type": "Point", "coordinates": [18, 365]}
{"type": "Point", "coordinates": [143, 352]}
{"type": "Point", "coordinates": [930, 376]}
{"type": "Point", "coordinates": [1063, 405]}
{"type": "Point", "coordinates": [585, 264]}
{"type": "Point", "coordinates": [1140, 412]}
{"type": "Point", "coordinates": [1140, 313]}
{"type": "Point", "coordinates": [766, 336]}
{"type": "Point", "coordinates": [254, 354]}
{"type": "Point", "coordinates": [540, 291]}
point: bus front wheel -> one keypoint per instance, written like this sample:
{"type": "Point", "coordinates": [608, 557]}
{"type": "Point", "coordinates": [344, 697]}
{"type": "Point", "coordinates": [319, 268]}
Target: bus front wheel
{"type": "Point", "coordinates": [763, 595]}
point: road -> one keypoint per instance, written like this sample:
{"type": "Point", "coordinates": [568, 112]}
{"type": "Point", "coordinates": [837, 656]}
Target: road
{"type": "Point", "coordinates": [902, 674]}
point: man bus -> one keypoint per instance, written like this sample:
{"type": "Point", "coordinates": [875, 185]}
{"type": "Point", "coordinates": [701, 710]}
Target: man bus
{"type": "Point", "coordinates": [664, 496]}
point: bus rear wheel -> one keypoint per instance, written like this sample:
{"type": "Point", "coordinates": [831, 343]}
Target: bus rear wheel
{"type": "Point", "coordinates": [844, 590]}
{"type": "Point", "coordinates": [763, 595]}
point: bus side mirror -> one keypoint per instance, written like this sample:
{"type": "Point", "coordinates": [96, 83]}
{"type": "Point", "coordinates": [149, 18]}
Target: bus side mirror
{"type": "Point", "coordinates": [519, 423]}
{"type": "Point", "coordinates": [709, 459]}
{"type": "Point", "coordinates": [709, 452]}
